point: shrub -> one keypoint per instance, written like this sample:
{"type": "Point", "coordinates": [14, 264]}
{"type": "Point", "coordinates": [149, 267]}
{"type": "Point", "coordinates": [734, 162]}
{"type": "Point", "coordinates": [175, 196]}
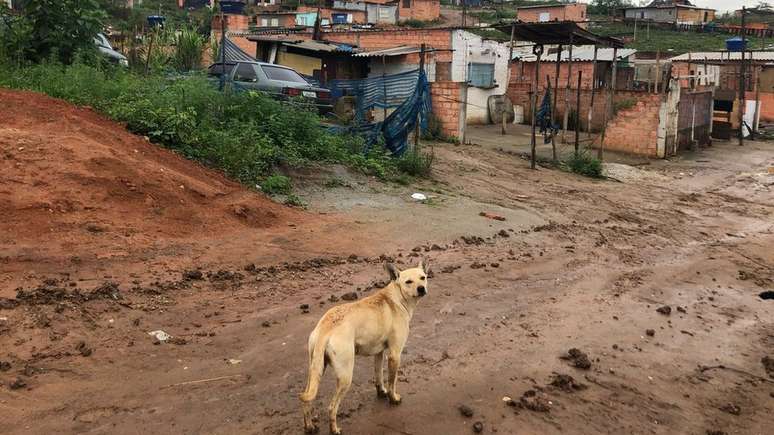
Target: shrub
{"type": "Point", "coordinates": [415, 163]}
{"type": "Point", "coordinates": [584, 164]}
{"type": "Point", "coordinates": [275, 184]}
{"type": "Point", "coordinates": [624, 104]}
{"type": "Point", "coordinates": [188, 50]}
{"type": "Point", "coordinates": [294, 201]}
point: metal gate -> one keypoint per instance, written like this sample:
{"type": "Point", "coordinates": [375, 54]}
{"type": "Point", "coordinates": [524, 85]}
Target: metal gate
{"type": "Point", "coordinates": [694, 119]}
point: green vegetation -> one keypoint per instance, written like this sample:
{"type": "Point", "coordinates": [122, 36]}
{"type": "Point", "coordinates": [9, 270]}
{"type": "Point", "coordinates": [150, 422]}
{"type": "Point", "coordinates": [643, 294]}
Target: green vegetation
{"type": "Point", "coordinates": [294, 201]}
{"type": "Point", "coordinates": [277, 184]}
{"type": "Point", "coordinates": [583, 163]}
{"type": "Point", "coordinates": [419, 24]}
{"type": "Point", "coordinates": [247, 135]}
{"type": "Point", "coordinates": [189, 46]}
{"type": "Point", "coordinates": [415, 163]}
{"type": "Point", "coordinates": [626, 103]}
{"type": "Point", "coordinates": [671, 42]}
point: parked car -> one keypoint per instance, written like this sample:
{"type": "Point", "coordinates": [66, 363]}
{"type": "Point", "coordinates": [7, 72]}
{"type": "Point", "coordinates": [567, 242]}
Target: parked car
{"type": "Point", "coordinates": [104, 47]}
{"type": "Point", "coordinates": [279, 81]}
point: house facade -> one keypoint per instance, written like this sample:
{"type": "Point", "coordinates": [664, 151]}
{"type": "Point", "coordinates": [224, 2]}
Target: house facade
{"type": "Point", "coordinates": [544, 13]}
{"type": "Point", "coordinates": [670, 11]}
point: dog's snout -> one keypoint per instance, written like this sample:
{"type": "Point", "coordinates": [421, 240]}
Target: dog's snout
{"type": "Point", "coordinates": [421, 290]}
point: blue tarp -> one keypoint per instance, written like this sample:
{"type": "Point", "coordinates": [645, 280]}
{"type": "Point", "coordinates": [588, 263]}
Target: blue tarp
{"type": "Point", "coordinates": [408, 93]}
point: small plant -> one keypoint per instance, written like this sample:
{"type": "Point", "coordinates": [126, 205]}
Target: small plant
{"type": "Point", "coordinates": [294, 201]}
{"type": "Point", "coordinates": [276, 184]}
{"type": "Point", "coordinates": [335, 182]}
{"type": "Point", "coordinates": [584, 164]}
{"type": "Point", "coordinates": [624, 104]}
{"type": "Point", "coordinates": [415, 163]}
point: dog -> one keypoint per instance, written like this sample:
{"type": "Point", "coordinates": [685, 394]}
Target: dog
{"type": "Point", "coordinates": [373, 326]}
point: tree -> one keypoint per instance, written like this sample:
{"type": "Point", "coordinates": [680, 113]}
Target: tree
{"type": "Point", "coordinates": [607, 7]}
{"type": "Point", "coordinates": [61, 28]}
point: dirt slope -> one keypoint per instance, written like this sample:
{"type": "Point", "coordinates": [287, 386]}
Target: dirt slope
{"type": "Point", "coordinates": [73, 183]}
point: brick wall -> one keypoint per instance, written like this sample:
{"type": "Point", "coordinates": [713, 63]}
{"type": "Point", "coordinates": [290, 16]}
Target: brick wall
{"type": "Point", "coordinates": [445, 97]}
{"type": "Point", "coordinates": [434, 38]}
{"type": "Point", "coordinates": [635, 130]}
{"type": "Point", "coordinates": [527, 74]}
{"type": "Point", "coordinates": [424, 10]}
{"type": "Point", "coordinates": [767, 105]}
{"type": "Point", "coordinates": [233, 23]}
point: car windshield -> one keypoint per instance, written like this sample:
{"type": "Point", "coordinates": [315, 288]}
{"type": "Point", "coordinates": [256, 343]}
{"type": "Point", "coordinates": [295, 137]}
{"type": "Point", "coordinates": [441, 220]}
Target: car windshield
{"type": "Point", "coordinates": [102, 41]}
{"type": "Point", "coordinates": [282, 74]}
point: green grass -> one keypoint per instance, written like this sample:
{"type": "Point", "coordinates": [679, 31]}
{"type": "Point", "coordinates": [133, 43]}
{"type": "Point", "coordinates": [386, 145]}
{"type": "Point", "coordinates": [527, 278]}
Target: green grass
{"type": "Point", "coordinates": [583, 163]}
{"type": "Point", "coordinates": [669, 41]}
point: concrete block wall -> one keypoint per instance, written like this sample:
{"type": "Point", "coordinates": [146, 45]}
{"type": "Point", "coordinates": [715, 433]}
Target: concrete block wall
{"type": "Point", "coordinates": [571, 12]}
{"type": "Point", "coordinates": [635, 130]}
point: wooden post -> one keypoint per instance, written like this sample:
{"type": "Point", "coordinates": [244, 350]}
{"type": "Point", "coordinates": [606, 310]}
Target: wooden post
{"type": "Point", "coordinates": [533, 144]}
{"type": "Point", "coordinates": [577, 112]}
{"type": "Point", "coordinates": [609, 102]}
{"type": "Point", "coordinates": [567, 92]}
{"type": "Point", "coordinates": [508, 81]}
{"type": "Point", "coordinates": [556, 94]}
{"type": "Point", "coordinates": [757, 102]}
{"type": "Point", "coordinates": [593, 90]}
{"type": "Point", "coordinates": [222, 50]}
{"type": "Point", "coordinates": [384, 86]}
{"type": "Point", "coordinates": [150, 53]}
{"type": "Point", "coordinates": [658, 70]}
{"type": "Point", "coordinates": [419, 115]}
{"type": "Point", "coordinates": [742, 84]}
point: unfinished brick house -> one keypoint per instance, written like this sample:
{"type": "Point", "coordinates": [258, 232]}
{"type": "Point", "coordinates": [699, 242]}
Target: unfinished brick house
{"type": "Point", "coordinates": [558, 12]}
{"type": "Point", "coordinates": [422, 10]}
{"type": "Point", "coordinates": [670, 11]}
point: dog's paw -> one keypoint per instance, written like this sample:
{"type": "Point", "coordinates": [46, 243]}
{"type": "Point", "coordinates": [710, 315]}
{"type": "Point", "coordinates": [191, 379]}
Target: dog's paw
{"type": "Point", "coordinates": [336, 432]}
{"type": "Point", "coordinates": [381, 392]}
{"type": "Point", "coordinates": [312, 429]}
{"type": "Point", "coordinates": [395, 399]}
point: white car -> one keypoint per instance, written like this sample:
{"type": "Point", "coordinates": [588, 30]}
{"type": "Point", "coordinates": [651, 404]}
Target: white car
{"type": "Point", "coordinates": [103, 45]}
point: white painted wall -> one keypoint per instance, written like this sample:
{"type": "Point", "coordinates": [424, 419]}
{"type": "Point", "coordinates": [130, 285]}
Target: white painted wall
{"type": "Point", "coordinates": [471, 48]}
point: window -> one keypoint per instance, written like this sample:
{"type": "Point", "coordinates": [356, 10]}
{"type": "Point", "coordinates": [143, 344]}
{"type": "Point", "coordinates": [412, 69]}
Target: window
{"type": "Point", "coordinates": [481, 75]}
{"type": "Point", "coordinates": [282, 74]}
{"type": "Point", "coordinates": [406, 3]}
{"type": "Point", "coordinates": [245, 72]}
{"type": "Point", "coordinates": [275, 22]}
{"type": "Point", "coordinates": [217, 69]}
{"type": "Point", "coordinates": [544, 17]}
{"type": "Point", "coordinates": [264, 22]}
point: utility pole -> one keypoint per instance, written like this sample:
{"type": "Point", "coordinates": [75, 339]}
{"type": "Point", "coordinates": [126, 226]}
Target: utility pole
{"type": "Point", "coordinates": [742, 82]}
{"type": "Point", "coordinates": [464, 12]}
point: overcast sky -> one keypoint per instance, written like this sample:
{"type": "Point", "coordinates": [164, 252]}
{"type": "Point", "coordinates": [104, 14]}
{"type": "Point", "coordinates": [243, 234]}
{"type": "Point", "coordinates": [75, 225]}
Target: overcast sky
{"type": "Point", "coordinates": [725, 5]}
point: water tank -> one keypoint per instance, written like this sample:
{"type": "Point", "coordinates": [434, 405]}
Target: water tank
{"type": "Point", "coordinates": [737, 43]}
{"type": "Point", "coordinates": [232, 6]}
{"type": "Point", "coordinates": [156, 20]}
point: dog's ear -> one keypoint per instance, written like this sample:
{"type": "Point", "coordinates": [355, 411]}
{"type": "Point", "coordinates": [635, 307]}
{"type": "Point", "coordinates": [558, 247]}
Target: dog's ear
{"type": "Point", "coordinates": [393, 271]}
{"type": "Point", "coordinates": [424, 265]}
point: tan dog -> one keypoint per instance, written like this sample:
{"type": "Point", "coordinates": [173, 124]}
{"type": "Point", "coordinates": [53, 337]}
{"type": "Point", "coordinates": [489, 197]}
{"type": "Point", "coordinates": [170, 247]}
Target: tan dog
{"type": "Point", "coordinates": [374, 325]}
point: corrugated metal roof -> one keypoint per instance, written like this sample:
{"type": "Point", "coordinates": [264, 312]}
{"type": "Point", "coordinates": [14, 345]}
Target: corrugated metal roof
{"type": "Point", "coordinates": [583, 53]}
{"type": "Point", "coordinates": [236, 54]}
{"type": "Point", "coordinates": [715, 56]}
{"type": "Point", "coordinates": [394, 51]}
{"type": "Point", "coordinates": [320, 46]}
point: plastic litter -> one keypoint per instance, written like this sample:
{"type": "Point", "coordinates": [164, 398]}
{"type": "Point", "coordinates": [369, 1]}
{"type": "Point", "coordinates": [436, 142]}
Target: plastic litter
{"type": "Point", "coordinates": [419, 196]}
{"type": "Point", "coordinates": [160, 335]}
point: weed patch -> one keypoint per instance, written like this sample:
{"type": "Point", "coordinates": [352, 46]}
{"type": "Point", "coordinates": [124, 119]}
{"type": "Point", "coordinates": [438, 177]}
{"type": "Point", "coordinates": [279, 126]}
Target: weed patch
{"type": "Point", "coordinates": [584, 164]}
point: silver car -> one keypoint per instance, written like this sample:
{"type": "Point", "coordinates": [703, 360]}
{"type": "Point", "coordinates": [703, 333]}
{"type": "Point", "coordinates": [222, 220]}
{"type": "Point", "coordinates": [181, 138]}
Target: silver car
{"type": "Point", "coordinates": [104, 47]}
{"type": "Point", "coordinates": [279, 81]}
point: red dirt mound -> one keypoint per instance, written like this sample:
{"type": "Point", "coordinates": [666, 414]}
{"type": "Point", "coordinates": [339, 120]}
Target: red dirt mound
{"type": "Point", "coordinates": [73, 179]}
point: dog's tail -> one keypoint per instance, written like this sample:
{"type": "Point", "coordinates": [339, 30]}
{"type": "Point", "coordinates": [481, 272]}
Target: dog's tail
{"type": "Point", "coordinates": [316, 367]}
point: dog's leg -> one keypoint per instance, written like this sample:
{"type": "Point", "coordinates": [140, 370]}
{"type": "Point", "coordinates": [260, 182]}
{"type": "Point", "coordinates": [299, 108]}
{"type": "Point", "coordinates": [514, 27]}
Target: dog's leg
{"type": "Point", "coordinates": [393, 362]}
{"type": "Point", "coordinates": [379, 374]}
{"type": "Point", "coordinates": [344, 365]}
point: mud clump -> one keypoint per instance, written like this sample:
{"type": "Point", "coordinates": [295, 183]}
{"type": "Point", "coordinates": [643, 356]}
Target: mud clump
{"type": "Point", "coordinates": [108, 290]}
{"type": "Point", "coordinates": [577, 358]}
{"type": "Point", "coordinates": [351, 296]}
{"type": "Point", "coordinates": [478, 427]}
{"type": "Point", "coordinates": [178, 341]}
{"type": "Point", "coordinates": [533, 401]}
{"type": "Point", "coordinates": [224, 275]}
{"type": "Point", "coordinates": [731, 409]}
{"type": "Point", "coordinates": [17, 384]}
{"type": "Point", "coordinates": [5, 366]}
{"type": "Point", "coordinates": [567, 383]}
{"type": "Point", "coordinates": [193, 275]}
{"type": "Point", "coordinates": [304, 308]}
{"type": "Point", "coordinates": [84, 349]}
{"type": "Point", "coordinates": [8, 304]}
{"type": "Point", "coordinates": [650, 332]}
{"type": "Point", "coordinates": [466, 411]}
{"type": "Point", "coordinates": [503, 233]}
{"type": "Point", "coordinates": [449, 269]}
{"type": "Point", "coordinates": [477, 265]}
{"type": "Point", "coordinates": [716, 432]}
{"type": "Point", "coordinates": [473, 240]}
{"type": "Point", "coordinates": [665, 310]}
{"type": "Point", "coordinates": [768, 365]}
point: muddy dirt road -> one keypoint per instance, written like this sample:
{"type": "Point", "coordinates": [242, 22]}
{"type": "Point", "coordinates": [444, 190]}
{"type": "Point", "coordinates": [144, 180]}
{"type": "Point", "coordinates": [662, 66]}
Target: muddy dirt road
{"type": "Point", "coordinates": [577, 263]}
